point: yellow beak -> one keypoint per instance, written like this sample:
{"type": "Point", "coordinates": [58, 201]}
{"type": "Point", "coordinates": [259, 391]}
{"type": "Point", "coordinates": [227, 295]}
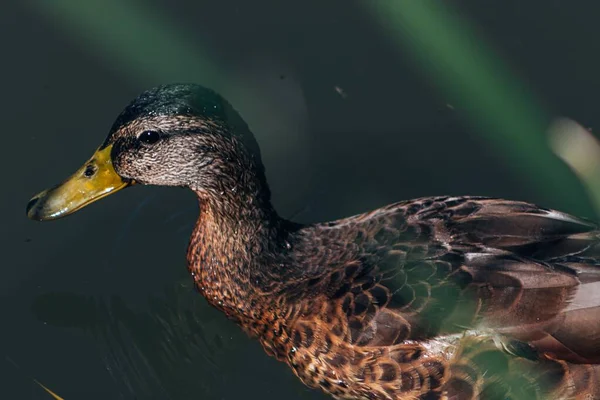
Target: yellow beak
{"type": "Point", "coordinates": [94, 180]}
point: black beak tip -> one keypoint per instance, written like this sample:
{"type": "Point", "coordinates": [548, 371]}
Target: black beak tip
{"type": "Point", "coordinates": [31, 210]}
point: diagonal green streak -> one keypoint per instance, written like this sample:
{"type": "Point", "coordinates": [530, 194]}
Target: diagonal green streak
{"type": "Point", "coordinates": [474, 79]}
{"type": "Point", "coordinates": [148, 48]}
{"type": "Point", "coordinates": [133, 39]}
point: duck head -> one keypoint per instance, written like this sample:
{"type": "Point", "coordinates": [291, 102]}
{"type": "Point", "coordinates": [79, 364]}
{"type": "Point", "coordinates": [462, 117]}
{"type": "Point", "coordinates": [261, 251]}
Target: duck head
{"type": "Point", "coordinates": [174, 135]}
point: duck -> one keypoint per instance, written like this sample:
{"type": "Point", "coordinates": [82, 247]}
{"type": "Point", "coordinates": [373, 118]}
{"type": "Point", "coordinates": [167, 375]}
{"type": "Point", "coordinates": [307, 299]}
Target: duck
{"type": "Point", "coordinates": [432, 298]}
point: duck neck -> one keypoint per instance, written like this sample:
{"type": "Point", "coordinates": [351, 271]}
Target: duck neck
{"type": "Point", "coordinates": [236, 247]}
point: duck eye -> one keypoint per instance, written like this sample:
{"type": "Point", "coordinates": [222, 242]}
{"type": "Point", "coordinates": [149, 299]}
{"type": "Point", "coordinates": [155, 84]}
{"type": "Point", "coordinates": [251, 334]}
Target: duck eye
{"type": "Point", "coordinates": [149, 137]}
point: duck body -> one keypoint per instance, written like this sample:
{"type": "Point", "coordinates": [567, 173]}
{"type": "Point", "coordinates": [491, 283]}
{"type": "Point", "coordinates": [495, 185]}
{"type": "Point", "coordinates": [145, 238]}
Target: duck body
{"type": "Point", "coordinates": [433, 298]}
{"type": "Point", "coordinates": [399, 302]}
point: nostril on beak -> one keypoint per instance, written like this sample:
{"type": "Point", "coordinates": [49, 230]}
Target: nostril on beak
{"type": "Point", "coordinates": [31, 204]}
{"type": "Point", "coordinates": [90, 170]}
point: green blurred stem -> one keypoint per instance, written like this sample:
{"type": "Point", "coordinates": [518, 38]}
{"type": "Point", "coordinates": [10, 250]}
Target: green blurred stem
{"type": "Point", "coordinates": [473, 79]}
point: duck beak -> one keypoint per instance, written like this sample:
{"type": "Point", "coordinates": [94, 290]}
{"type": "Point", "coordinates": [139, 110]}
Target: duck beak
{"type": "Point", "coordinates": [96, 179]}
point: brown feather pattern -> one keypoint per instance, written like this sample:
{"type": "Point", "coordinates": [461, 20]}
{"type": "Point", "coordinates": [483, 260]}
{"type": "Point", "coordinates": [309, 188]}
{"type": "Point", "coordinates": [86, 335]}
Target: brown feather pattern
{"type": "Point", "coordinates": [445, 297]}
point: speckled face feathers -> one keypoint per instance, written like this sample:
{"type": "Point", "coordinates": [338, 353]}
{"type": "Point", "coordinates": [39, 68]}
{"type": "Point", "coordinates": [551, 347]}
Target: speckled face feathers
{"type": "Point", "coordinates": [203, 144]}
{"type": "Point", "coordinates": [175, 159]}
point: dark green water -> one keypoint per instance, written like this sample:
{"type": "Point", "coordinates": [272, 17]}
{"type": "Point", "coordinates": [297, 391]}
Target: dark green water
{"type": "Point", "coordinates": [98, 305]}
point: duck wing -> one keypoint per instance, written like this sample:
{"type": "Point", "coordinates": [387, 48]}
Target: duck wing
{"type": "Point", "coordinates": [441, 265]}
{"type": "Point", "coordinates": [411, 277]}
